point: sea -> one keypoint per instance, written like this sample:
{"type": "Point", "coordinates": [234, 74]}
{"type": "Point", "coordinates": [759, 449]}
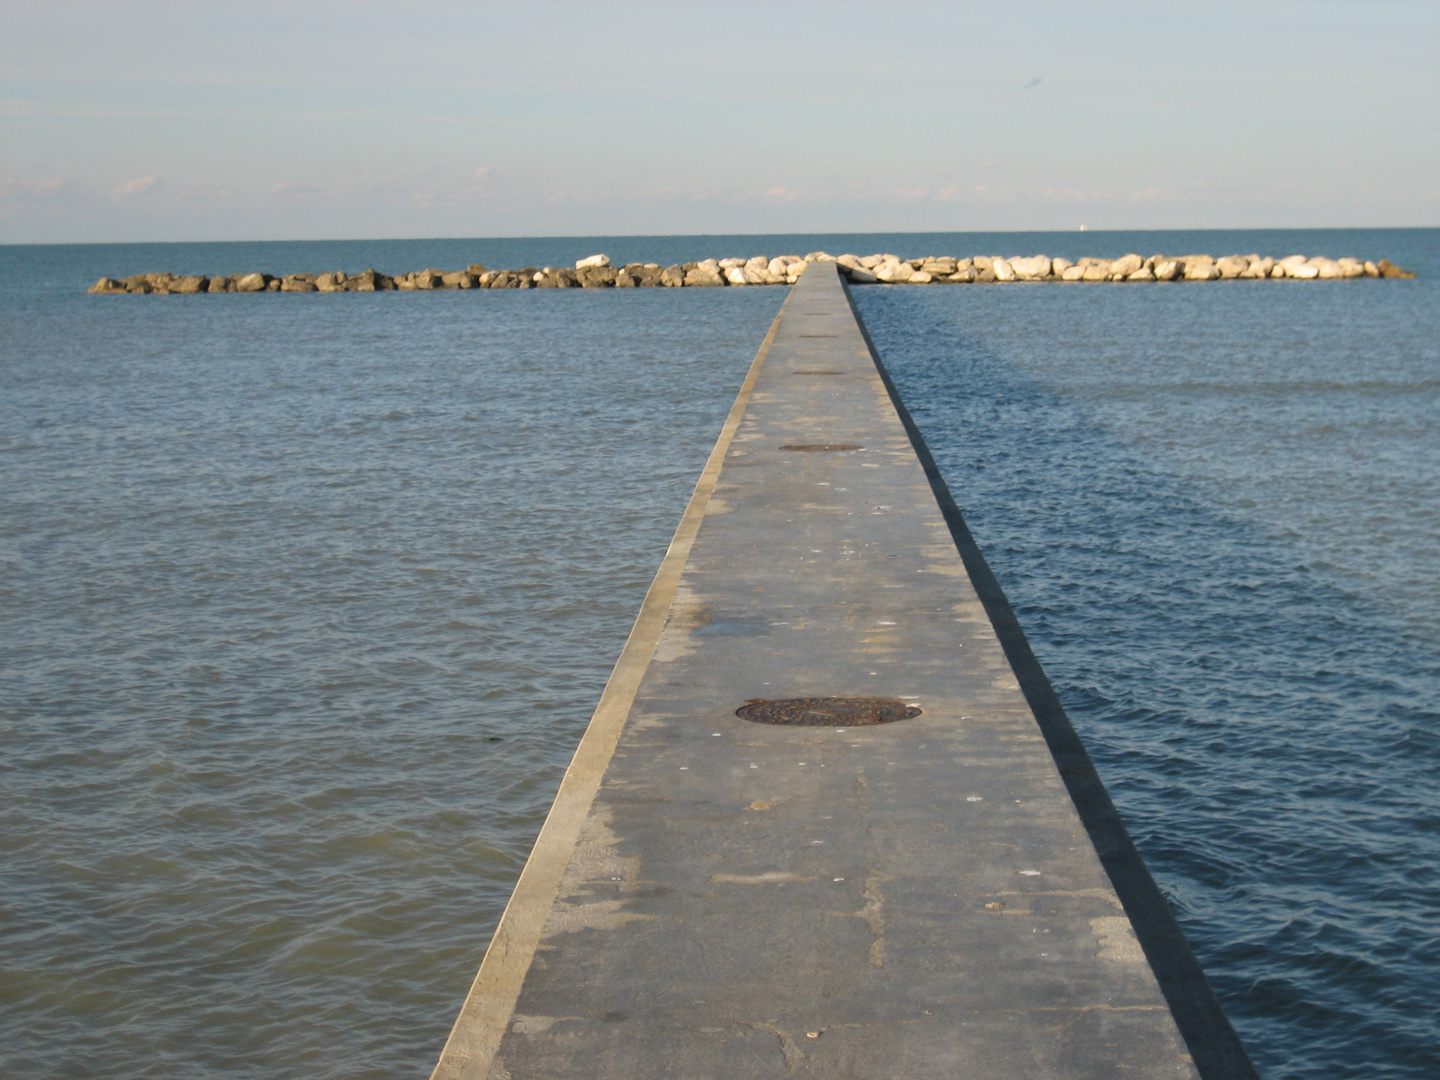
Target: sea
{"type": "Point", "coordinates": [306, 600]}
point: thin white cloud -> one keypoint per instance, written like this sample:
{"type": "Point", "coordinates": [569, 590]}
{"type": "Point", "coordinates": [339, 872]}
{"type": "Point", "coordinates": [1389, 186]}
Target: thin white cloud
{"type": "Point", "coordinates": [139, 186]}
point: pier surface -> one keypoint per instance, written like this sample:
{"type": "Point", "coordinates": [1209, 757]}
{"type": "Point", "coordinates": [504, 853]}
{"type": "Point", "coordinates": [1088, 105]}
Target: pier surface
{"type": "Point", "coordinates": [717, 898]}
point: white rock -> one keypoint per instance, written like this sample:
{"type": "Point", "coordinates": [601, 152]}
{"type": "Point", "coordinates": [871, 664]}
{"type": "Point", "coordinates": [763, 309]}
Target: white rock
{"type": "Point", "coordinates": [1232, 266]}
{"type": "Point", "coordinates": [894, 271]}
{"type": "Point", "coordinates": [1126, 265]}
{"type": "Point", "coordinates": [777, 266]}
{"type": "Point", "coordinates": [754, 276]}
{"type": "Point", "coordinates": [1059, 266]}
{"type": "Point", "coordinates": [735, 275]}
{"type": "Point", "coordinates": [1166, 269]}
{"type": "Point", "coordinates": [1371, 270]}
{"type": "Point", "coordinates": [869, 262]}
{"type": "Point", "coordinates": [1073, 273]}
{"type": "Point", "coordinates": [861, 276]}
{"type": "Point", "coordinates": [593, 260]}
{"type": "Point", "coordinates": [1304, 271]}
{"type": "Point", "coordinates": [819, 256]}
{"type": "Point", "coordinates": [1143, 274]}
{"type": "Point", "coordinates": [1098, 270]}
{"type": "Point", "coordinates": [1200, 268]}
{"type": "Point", "coordinates": [920, 277]}
{"type": "Point", "coordinates": [1031, 269]}
{"type": "Point", "coordinates": [1003, 270]}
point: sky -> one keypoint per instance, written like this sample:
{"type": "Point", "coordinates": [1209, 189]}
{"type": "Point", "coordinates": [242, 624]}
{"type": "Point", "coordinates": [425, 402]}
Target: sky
{"type": "Point", "coordinates": [134, 121]}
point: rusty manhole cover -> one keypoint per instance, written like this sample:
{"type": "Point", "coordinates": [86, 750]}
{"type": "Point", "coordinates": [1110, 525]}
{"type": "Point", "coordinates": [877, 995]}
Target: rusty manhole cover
{"type": "Point", "coordinates": [826, 711]}
{"type": "Point", "coordinates": [821, 447]}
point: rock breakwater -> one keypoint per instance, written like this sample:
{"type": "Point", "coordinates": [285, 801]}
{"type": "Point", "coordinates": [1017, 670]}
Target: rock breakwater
{"type": "Point", "coordinates": [596, 272]}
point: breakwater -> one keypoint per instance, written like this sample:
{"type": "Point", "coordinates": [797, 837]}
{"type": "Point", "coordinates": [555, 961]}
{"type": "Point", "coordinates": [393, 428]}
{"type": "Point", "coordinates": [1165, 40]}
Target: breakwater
{"type": "Point", "coordinates": [596, 272]}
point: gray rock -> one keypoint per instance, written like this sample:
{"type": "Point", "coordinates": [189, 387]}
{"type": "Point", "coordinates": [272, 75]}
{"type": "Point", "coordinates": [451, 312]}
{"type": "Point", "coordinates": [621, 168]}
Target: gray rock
{"type": "Point", "coordinates": [1390, 270]}
{"type": "Point", "coordinates": [672, 277]}
{"type": "Point", "coordinates": [475, 268]}
{"type": "Point", "coordinates": [704, 277]}
{"type": "Point", "coordinates": [189, 285]}
{"type": "Point", "coordinates": [596, 276]}
{"type": "Point", "coordinates": [298, 283]}
{"type": "Point", "coordinates": [365, 281]}
{"type": "Point", "coordinates": [221, 284]}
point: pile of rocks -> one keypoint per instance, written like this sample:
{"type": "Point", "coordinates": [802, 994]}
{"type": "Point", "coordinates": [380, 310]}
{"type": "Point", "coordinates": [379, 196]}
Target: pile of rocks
{"type": "Point", "coordinates": [597, 273]}
{"type": "Point", "coordinates": [893, 269]}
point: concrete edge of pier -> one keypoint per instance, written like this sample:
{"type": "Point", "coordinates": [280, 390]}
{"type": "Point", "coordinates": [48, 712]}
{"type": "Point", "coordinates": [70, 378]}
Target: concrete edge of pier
{"type": "Point", "coordinates": [1211, 1039]}
{"type": "Point", "coordinates": [481, 1023]}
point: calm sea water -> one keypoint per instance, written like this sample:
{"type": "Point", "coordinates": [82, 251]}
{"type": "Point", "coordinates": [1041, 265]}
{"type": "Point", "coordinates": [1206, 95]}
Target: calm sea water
{"type": "Point", "coordinates": [308, 598]}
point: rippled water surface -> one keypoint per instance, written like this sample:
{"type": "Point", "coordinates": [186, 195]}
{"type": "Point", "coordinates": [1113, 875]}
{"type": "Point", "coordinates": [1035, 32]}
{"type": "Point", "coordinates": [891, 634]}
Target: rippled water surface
{"type": "Point", "coordinates": [307, 599]}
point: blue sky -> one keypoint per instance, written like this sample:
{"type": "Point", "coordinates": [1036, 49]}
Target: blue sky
{"type": "Point", "coordinates": [216, 121]}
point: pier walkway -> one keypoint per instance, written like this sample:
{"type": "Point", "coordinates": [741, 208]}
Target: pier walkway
{"type": "Point", "coordinates": [930, 895]}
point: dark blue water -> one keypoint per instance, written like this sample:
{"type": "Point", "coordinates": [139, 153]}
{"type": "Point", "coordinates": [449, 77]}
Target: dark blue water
{"type": "Point", "coordinates": [307, 599]}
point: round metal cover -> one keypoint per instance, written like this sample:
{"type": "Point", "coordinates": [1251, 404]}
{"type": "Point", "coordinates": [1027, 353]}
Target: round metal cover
{"type": "Point", "coordinates": [813, 447]}
{"type": "Point", "coordinates": [826, 711]}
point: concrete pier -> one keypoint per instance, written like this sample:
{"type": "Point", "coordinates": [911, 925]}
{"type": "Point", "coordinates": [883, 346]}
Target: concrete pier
{"type": "Point", "coordinates": [946, 892]}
